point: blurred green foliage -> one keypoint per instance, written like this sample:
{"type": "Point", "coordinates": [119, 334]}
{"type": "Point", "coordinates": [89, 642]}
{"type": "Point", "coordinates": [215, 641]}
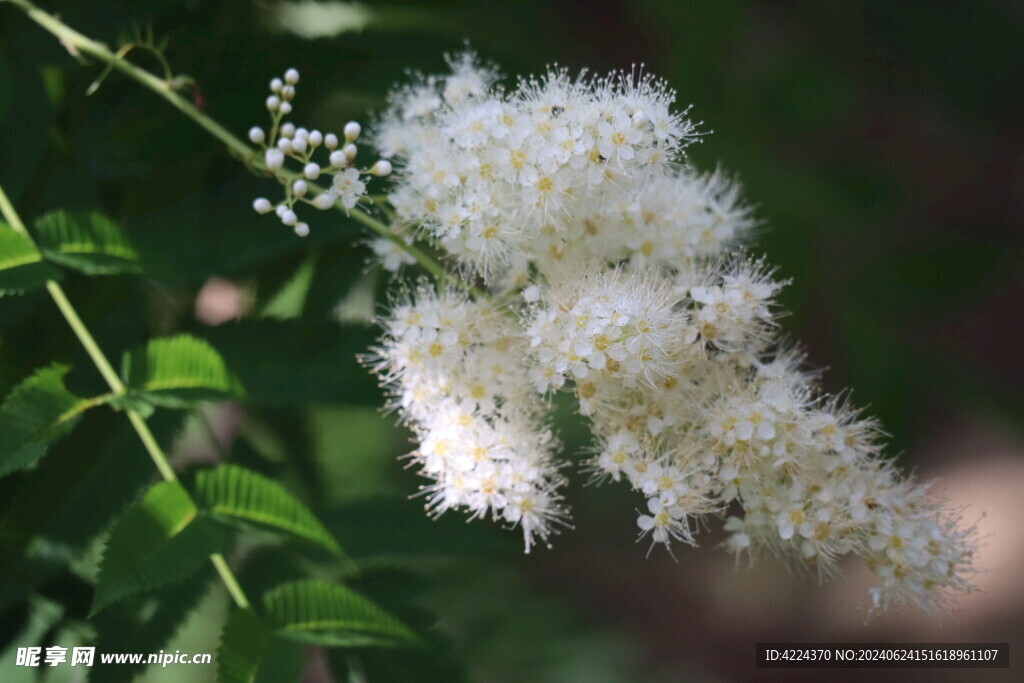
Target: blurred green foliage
{"type": "Point", "coordinates": [881, 142]}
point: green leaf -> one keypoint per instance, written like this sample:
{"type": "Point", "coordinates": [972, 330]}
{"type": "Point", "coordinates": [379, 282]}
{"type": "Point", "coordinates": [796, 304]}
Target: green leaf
{"type": "Point", "coordinates": [241, 494]}
{"type": "Point", "coordinates": [242, 646]}
{"type": "Point", "coordinates": [156, 542]}
{"type": "Point", "coordinates": [249, 652]}
{"type": "Point", "coordinates": [21, 265]}
{"type": "Point", "coordinates": [36, 413]}
{"type": "Point", "coordinates": [145, 623]}
{"type": "Point", "coordinates": [176, 372]}
{"type": "Point", "coordinates": [86, 241]}
{"type": "Point", "coordinates": [321, 613]}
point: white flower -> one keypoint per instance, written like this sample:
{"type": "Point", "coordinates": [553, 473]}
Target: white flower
{"type": "Point", "coordinates": [613, 273]}
{"type": "Point", "coordinates": [350, 188]}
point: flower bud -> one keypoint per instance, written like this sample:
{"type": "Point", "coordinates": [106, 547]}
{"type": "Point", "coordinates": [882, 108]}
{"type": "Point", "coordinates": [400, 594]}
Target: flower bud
{"type": "Point", "coordinates": [300, 187]}
{"type": "Point", "coordinates": [273, 103]}
{"type": "Point", "coordinates": [285, 145]}
{"type": "Point", "coordinates": [301, 229]}
{"type": "Point", "coordinates": [274, 159]}
{"type": "Point", "coordinates": [350, 151]}
{"type": "Point", "coordinates": [289, 218]}
{"type": "Point", "coordinates": [299, 145]}
{"type": "Point", "coordinates": [311, 171]}
{"type": "Point", "coordinates": [288, 129]}
{"type": "Point", "coordinates": [291, 76]}
{"type": "Point", "coordinates": [256, 135]}
{"type": "Point", "coordinates": [262, 205]}
{"type": "Point", "coordinates": [324, 201]}
{"type": "Point", "coordinates": [276, 84]}
{"type": "Point", "coordinates": [338, 159]}
{"type": "Point", "coordinates": [316, 138]}
{"type": "Point", "coordinates": [330, 141]}
{"type": "Point", "coordinates": [286, 108]}
{"type": "Point", "coordinates": [381, 168]}
{"type": "Point", "coordinates": [352, 131]}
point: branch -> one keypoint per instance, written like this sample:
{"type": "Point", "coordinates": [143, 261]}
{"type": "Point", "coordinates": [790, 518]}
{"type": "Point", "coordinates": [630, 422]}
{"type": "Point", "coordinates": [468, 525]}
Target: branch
{"type": "Point", "coordinates": [117, 387]}
{"type": "Point", "coordinates": [78, 44]}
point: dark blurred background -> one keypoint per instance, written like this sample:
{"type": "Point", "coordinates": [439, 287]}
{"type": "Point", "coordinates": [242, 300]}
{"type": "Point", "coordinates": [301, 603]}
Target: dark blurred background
{"type": "Point", "coordinates": [882, 143]}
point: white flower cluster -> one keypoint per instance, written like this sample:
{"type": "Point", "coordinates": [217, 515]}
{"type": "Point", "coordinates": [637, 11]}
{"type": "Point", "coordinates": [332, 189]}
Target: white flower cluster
{"type": "Point", "coordinates": [613, 272]}
{"type": "Point", "coordinates": [285, 141]}
{"type": "Point", "coordinates": [458, 371]}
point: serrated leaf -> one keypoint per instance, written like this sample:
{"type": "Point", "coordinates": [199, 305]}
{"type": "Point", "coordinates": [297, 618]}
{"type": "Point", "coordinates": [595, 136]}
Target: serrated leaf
{"type": "Point", "coordinates": [21, 265]}
{"type": "Point", "coordinates": [176, 372]}
{"type": "Point", "coordinates": [145, 623]}
{"type": "Point", "coordinates": [158, 541]}
{"type": "Point", "coordinates": [249, 652]}
{"type": "Point", "coordinates": [37, 412]}
{"type": "Point", "coordinates": [86, 241]}
{"type": "Point", "coordinates": [240, 494]}
{"type": "Point", "coordinates": [321, 613]}
{"type": "Point", "coordinates": [242, 645]}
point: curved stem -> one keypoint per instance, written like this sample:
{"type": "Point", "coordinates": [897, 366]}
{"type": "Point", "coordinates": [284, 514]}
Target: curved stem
{"type": "Point", "coordinates": [79, 44]}
{"type": "Point", "coordinates": [112, 379]}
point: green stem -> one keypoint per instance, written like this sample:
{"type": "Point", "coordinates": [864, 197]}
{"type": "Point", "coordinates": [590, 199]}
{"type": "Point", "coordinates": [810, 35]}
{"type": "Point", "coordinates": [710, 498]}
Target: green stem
{"type": "Point", "coordinates": [86, 338]}
{"type": "Point", "coordinates": [229, 580]}
{"type": "Point", "coordinates": [76, 44]}
{"type": "Point", "coordinates": [117, 386]}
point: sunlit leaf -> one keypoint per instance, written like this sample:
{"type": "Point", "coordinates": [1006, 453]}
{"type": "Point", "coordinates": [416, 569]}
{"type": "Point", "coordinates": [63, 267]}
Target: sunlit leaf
{"type": "Point", "coordinates": [176, 372]}
{"type": "Point", "coordinates": [329, 614]}
{"type": "Point", "coordinates": [87, 242]}
{"type": "Point", "coordinates": [243, 495]}
{"type": "Point", "coordinates": [21, 265]}
{"type": "Point", "coordinates": [158, 541]}
{"type": "Point", "coordinates": [36, 413]}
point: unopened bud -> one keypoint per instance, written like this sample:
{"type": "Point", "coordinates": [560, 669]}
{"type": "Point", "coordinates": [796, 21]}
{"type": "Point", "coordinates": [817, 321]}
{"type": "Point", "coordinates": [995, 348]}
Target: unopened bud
{"type": "Point", "coordinates": [324, 201]}
{"type": "Point", "coordinates": [274, 159]}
